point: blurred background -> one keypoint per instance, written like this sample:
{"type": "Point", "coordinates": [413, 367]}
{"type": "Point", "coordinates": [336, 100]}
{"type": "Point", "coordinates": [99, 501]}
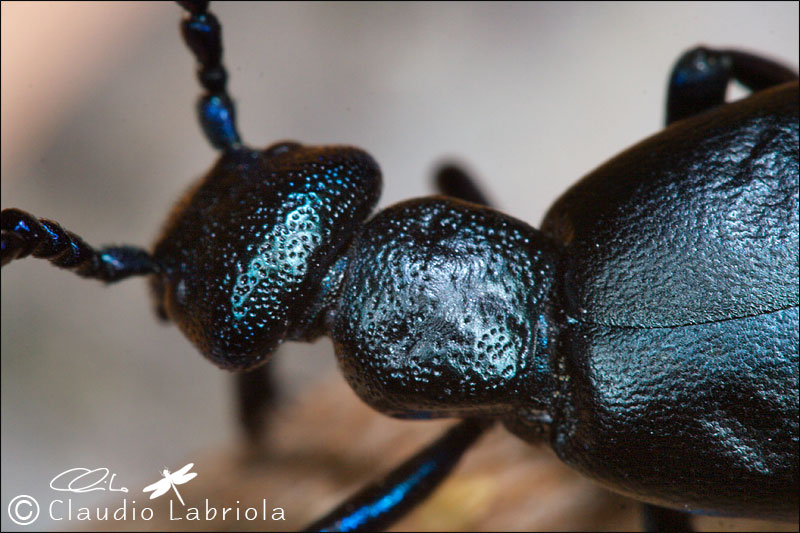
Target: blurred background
{"type": "Point", "coordinates": [99, 134]}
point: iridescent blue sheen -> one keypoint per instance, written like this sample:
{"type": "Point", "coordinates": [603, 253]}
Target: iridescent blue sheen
{"type": "Point", "coordinates": [21, 226]}
{"type": "Point", "coordinates": [243, 268]}
{"type": "Point", "coordinates": [218, 120]}
{"type": "Point", "coordinates": [394, 497]}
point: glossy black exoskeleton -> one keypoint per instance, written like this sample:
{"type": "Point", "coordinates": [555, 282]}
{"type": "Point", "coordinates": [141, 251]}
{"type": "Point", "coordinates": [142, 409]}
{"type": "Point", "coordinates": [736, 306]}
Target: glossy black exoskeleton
{"type": "Point", "coordinates": [648, 332]}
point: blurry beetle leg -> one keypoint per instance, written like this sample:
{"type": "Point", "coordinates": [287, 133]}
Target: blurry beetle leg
{"type": "Point", "coordinates": [701, 76]}
{"type": "Point", "coordinates": [659, 519]}
{"type": "Point", "coordinates": [451, 180]}
{"type": "Point", "coordinates": [377, 506]}
{"type": "Point", "coordinates": [255, 392]}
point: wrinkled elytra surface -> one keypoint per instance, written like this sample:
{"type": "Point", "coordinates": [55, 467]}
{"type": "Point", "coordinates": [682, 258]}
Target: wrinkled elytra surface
{"type": "Point", "coordinates": [244, 253]}
{"type": "Point", "coordinates": [696, 224]}
{"type": "Point", "coordinates": [679, 364]}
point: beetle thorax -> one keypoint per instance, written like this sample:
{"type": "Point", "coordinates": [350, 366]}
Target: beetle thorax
{"type": "Point", "coordinates": [439, 309]}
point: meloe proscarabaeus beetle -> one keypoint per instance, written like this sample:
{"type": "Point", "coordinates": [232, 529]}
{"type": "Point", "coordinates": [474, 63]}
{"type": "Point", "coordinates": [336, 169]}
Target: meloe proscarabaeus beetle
{"type": "Point", "coordinates": [635, 309]}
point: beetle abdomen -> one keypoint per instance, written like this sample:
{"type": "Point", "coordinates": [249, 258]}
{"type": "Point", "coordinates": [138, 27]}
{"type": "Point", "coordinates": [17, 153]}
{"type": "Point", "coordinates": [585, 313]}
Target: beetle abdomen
{"type": "Point", "coordinates": [701, 417]}
{"type": "Point", "coordinates": [696, 224]}
{"type": "Point", "coordinates": [679, 351]}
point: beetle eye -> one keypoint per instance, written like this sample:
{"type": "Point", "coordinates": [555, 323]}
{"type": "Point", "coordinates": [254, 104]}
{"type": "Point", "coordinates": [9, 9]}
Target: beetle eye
{"type": "Point", "coordinates": [181, 291]}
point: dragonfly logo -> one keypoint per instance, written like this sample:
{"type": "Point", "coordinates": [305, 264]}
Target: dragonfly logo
{"type": "Point", "coordinates": [170, 481]}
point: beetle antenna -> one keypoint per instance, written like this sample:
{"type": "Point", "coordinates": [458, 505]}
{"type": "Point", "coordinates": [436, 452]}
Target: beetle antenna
{"type": "Point", "coordinates": [203, 35]}
{"type": "Point", "coordinates": [23, 235]}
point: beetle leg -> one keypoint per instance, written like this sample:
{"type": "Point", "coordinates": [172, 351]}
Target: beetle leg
{"type": "Point", "coordinates": [23, 235]}
{"type": "Point", "coordinates": [451, 180]}
{"type": "Point", "coordinates": [756, 72]}
{"type": "Point", "coordinates": [378, 505]}
{"type": "Point", "coordinates": [658, 519]}
{"type": "Point", "coordinates": [255, 391]}
{"type": "Point", "coordinates": [700, 78]}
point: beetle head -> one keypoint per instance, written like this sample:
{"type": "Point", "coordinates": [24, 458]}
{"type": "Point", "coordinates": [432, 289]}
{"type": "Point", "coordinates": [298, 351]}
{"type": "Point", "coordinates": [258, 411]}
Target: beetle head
{"type": "Point", "coordinates": [245, 253]}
